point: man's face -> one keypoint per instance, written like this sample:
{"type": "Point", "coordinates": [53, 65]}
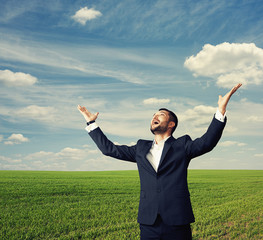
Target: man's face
{"type": "Point", "coordinates": [160, 121]}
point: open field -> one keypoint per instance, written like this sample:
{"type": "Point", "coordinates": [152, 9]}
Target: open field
{"type": "Point", "coordinates": [228, 204]}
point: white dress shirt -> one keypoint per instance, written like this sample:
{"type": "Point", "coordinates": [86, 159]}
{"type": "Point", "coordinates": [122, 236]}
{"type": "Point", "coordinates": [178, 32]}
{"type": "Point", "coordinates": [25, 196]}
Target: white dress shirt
{"type": "Point", "coordinates": [155, 153]}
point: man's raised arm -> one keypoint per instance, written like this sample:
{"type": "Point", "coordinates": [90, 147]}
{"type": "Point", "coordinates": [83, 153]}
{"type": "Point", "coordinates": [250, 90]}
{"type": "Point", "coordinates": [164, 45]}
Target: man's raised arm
{"type": "Point", "coordinates": [214, 132]}
{"type": "Point", "coordinates": [108, 148]}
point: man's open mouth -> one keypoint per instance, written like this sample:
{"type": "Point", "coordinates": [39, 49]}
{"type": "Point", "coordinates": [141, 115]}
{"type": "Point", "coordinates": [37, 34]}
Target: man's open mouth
{"type": "Point", "coordinates": [155, 122]}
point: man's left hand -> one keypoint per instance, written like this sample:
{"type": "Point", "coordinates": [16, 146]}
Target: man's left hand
{"type": "Point", "coordinates": [223, 101]}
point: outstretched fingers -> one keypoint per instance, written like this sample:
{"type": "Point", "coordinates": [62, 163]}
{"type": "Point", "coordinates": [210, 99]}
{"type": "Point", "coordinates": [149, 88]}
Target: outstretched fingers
{"type": "Point", "coordinates": [82, 109]}
{"type": "Point", "coordinates": [223, 101]}
{"type": "Point", "coordinates": [87, 115]}
{"type": "Point", "coordinates": [234, 89]}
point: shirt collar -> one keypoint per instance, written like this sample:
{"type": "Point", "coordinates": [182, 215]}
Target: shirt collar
{"type": "Point", "coordinates": [161, 142]}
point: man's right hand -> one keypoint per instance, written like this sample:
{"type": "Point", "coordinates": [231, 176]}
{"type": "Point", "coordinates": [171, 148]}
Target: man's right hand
{"type": "Point", "coordinates": [87, 115]}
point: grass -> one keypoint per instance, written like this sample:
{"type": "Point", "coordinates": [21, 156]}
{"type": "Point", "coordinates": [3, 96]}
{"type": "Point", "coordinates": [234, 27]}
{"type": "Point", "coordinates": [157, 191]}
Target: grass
{"type": "Point", "coordinates": [103, 205]}
{"type": "Point", "coordinates": [227, 204]}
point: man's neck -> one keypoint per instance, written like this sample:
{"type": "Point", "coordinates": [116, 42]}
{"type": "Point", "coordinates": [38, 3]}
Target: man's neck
{"type": "Point", "coordinates": [159, 137]}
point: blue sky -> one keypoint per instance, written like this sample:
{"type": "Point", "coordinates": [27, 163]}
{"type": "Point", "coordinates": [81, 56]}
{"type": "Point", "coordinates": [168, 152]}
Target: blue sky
{"type": "Point", "coordinates": [125, 59]}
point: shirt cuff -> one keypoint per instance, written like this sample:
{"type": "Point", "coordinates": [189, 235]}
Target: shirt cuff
{"type": "Point", "coordinates": [219, 116]}
{"type": "Point", "coordinates": [91, 127]}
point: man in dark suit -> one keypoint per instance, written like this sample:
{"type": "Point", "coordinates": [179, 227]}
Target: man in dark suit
{"type": "Point", "coordinates": [165, 210]}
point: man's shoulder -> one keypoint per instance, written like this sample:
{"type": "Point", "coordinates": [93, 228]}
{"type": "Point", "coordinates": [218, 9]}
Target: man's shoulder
{"type": "Point", "coordinates": [171, 139]}
{"type": "Point", "coordinates": [143, 141]}
{"type": "Point", "coordinates": [181, 140]}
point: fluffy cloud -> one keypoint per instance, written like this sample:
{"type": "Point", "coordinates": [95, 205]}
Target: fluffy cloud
{"type": "Point", "coordinates": [17, 79]}
{"type": "Point", "coordinates": [9, 160]}
{"type": "Point", "coordinates": [194, 121]}
{"type": "Point", "coordinates": [260, 155]}
{"type": "Point", "coordinates": [229, 63]}
{"type": "Point", "coordinates": [85, 14]}
{"type": "Point", "coordinates": [254, 119]}
{"type": "Point", "coordinates": [245, 117]}
{"type": "Point", "coordinates": [197, 116]}
{"type": "Point", "coordinates": [155, 101]}
{"type": "Point", "coordinates": [232, 143]}
{"type": "Point", "coordinates": [67, 153]}
{"type": "Point", "coordinates": [80, 159]}
{"type": "Point", "coordinates": [16, 139]}
{"type": "Point", "coordinates": [38, 113]}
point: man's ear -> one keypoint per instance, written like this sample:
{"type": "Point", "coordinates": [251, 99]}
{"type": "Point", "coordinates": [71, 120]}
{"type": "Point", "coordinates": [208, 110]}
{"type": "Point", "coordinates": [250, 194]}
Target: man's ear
{"type": "Point", "coordinates": [171, 124]}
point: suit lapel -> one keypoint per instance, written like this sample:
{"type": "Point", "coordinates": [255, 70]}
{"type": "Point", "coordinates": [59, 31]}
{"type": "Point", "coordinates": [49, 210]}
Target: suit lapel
{"type": "Point", "coordinates": [166, 148]}
{"type": "Point", "coordinates": [148, 166]}
{"type": "Point", "coordinates": [145, 150]}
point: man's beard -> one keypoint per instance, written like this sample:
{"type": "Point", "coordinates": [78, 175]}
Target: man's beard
{"type": "Point", "coordinates": [159, 129]}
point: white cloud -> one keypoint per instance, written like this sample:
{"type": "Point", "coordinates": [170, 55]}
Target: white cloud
{"type": "Point", "coordinates": [85, 14]}
{"type": "Point", "coordinates": [39, 155]}
{"type": "Point", "coordinates": [232, 143]}
{"type": "Point", "coordinates": [67, 153]}
{"type": "Point", "coordinates": [245, 118]}
{"type": "Point", "coordinates": [229, 63]}
{"type": "Point", "coordinates": [197, 116]}
{"type": "Point", "coordinates": [255, 119]}
{"type": "Point", "coordinates": [16, 139]}
{"type": "Point", "coordinates": [74, 159]}
{"type": "Point", "coordinates": [260, 155]}
{"type": "Point", "coordinates": [1, 138]}
{"type": "Point", "coordinates": [38, 113]}
{"type": "Point", "coordinates": [17, 79]}
{"type": "Point", "coordinates": [155, 101]}
{"type": "Point", "coordinates": [9, 160]}
{"type": "Point", "coordinates": [72, 153]}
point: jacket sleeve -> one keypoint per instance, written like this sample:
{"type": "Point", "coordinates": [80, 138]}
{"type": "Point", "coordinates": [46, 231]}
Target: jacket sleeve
{"type": "Point", "coordinates": [207, 142]}
{"type": "Point", "coordinates": [108, 148]}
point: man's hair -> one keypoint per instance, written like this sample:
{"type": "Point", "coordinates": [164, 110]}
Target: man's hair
{"type": "Point", "coordinates": [172, 118]}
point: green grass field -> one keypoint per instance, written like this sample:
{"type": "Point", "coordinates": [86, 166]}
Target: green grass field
{"type": "Point", "coordinates": [228, 204]}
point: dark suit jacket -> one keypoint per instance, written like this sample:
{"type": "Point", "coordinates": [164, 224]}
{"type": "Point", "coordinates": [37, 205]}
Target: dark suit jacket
{"type": "Point", "coordinates": [164, 192]}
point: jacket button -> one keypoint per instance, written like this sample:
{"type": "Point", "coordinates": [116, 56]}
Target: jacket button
{"type": "Point", "coordinates": [158, 190]}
